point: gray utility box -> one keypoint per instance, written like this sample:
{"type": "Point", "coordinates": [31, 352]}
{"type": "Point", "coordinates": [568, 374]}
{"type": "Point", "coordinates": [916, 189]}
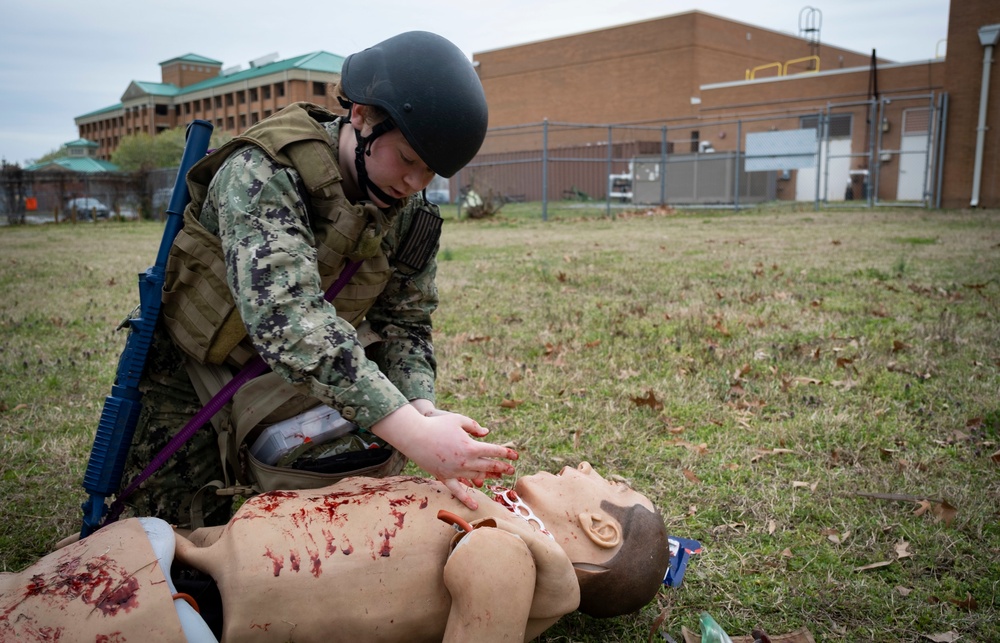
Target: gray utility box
{"type": "Point", "coordinates": [699, 178]}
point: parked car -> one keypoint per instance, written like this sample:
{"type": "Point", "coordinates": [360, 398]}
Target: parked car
{"type": "Point", "coordinates": [438, 192]}
{"type": "Point", "coordinates": [86, 207]}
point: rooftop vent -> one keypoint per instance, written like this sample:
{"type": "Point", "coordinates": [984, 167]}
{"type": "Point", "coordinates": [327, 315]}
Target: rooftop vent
{"type": "Point", "coordinates": [263, 60]}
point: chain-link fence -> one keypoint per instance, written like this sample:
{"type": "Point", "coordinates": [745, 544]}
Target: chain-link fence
{"type": "Point", "coordinates": [883, 151]}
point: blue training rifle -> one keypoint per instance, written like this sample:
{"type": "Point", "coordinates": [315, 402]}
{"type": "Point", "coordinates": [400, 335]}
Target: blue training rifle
{"type": "Point", "coordinates": [120, 413]}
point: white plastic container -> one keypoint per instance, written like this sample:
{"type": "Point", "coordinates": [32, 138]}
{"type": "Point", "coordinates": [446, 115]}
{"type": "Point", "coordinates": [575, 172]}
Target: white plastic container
{"type": "Point", "coordinates": [318, 424]}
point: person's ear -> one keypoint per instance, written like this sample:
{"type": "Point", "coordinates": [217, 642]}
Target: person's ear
{"type": "Point", "coordinates": [603, 530]}
{"type": "Point", "coordinates": [359, 114]}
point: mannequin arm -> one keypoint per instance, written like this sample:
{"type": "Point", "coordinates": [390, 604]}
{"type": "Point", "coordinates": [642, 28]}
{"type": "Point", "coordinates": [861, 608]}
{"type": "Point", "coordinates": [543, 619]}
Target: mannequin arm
{"type": "Point", "coordinates": [491, 578]}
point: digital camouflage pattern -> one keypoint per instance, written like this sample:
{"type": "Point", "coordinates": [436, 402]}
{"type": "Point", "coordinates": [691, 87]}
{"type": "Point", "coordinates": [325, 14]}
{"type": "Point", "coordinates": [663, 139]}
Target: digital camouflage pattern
{"type": "Point", "coordinates": [255, 207]}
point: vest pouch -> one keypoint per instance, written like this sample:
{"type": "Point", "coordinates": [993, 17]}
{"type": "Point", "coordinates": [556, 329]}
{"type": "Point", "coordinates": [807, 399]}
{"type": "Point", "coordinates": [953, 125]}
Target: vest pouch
{"type": "Point", "coordinates": [270, 478]}
{"type": "Point", "coordinates": [269, 400]}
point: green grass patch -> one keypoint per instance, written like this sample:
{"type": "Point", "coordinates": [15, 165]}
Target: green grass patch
{"type": "Point", "coordinates": [758, 374]}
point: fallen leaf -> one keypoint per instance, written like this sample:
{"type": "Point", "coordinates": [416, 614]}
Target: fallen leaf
{"type": "Point", "coordinates": [515, 376]}
{"type": "Point", "coordinates": [881, 563]}
{"type": "Point", "coordinates": [650, 401]}
{"type": "Point", "coordinates": [969, 604]}
{"type": "Point", "coordinates": [903, 550]}
{"type": "Point", "coordinates": [20, 407]}
{"type": "Point", "coordinates": [898, 346]}
{"type": "Point", "coordinates": [995, 457]}
{"type": "Point", "coordinates": [944, 637]}
{"type": "Point", "coordinates": [923, 506]}
{"type": "Point", "coordinates": [807, 485]}
{"type": "Point", "coordinates": [475, 339]}
{"type": "Point", "coordinates": [691, 476]}
{"type": "Point", "coordinates": [903, 591]}
{"type": "Point", "coordinates": [944, 512]}
{"type": "Point", "coordinates": [511, 404]}
{"type": "Point", "coordinates": [771, 526]}
{"type": "Point", "coordinates": [787, 553]}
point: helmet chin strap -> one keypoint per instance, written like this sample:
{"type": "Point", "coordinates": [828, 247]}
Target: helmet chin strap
{"type": "Point", "coordinates": [363, 149]}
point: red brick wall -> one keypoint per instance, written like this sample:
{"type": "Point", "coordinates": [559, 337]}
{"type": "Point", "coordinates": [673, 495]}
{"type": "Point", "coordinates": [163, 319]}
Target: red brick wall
{"type": "Point", "coordinates": [963, 84]}
{"type": "Point", "coordinates": [641, 72]}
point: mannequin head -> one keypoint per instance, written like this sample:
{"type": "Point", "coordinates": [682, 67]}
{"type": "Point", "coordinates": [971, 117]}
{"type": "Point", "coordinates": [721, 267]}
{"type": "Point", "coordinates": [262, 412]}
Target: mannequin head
{"type": "Point", "coordinates": [613, 535]}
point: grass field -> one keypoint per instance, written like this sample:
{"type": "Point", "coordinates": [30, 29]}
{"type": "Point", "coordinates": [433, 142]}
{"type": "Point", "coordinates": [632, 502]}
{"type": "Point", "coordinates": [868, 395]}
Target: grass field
{"type": "Point", "coordinates": [814, 396]}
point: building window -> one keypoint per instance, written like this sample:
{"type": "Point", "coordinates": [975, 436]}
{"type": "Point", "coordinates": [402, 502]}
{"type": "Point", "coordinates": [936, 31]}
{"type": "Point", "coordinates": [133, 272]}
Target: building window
{"type": "Point", "coordinates": [253, 94]}
{"type": "Point", "coordinates": [218, 122]}
{"type": "Point", "coordinates": [267, 113]}
{"type": "Point", "coordinates": [187, 108]}
{"type": "Point", "coordinates": [243, 121]}
{"type": "Point", "coordinates": [839, 124]}
{"type": "Point", "coordinates": [695, 135]}
{"type": "Point", "coordinates": [229, 100]}
{"type": "Point", "coordinates": [253, 118]}
{"type": "Point", "coordinates": [230, 123]}
{"type": "Point", "coordinates": [218, 102]}
{"type": "Point", "coordinates": [206, 104]}
{"type": "Point", "coordinates": [279, 89]}
{"type": "Point", "coordinates": [241, 96]}
{"type": "Point", "coordinates": [267, 91]}
{"type": "Point", "coordinates": [319, 89]}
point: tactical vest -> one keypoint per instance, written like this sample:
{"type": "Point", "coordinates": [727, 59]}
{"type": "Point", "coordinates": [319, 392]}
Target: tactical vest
{"type": "Point", "coordinates": [198, 308]}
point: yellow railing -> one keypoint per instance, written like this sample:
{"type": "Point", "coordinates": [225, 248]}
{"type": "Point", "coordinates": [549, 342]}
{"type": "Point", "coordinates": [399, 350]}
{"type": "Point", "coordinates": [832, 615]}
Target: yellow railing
{"type": "Point", "coordinates": [783, 67]}
{"type": "Point", "coordinates": [804, 59]}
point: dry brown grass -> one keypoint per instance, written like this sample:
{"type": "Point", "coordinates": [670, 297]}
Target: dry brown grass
{"type": "Point", "coordinates": [750, 372]}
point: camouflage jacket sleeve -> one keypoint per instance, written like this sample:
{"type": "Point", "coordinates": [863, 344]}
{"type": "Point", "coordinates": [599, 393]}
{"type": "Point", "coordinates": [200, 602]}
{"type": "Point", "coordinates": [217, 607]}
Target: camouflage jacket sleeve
{"type": "Point", "coordinates": [402, 318]}
{"type": "Point", "coordinates": [272, 271]}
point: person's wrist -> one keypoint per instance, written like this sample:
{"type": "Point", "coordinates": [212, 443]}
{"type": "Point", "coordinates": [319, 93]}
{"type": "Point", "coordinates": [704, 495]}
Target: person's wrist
{"type": "Point", "coordinates": [423, 406]}
{"type": "Point", "coordinates": [395, 427]}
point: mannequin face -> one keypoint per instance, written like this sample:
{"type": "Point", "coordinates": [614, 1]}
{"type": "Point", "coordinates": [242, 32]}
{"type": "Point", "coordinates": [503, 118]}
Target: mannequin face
{"type": "Point", "coordinates": [393, 165]}
{"type": "Point", "coordinates": [569, 504]}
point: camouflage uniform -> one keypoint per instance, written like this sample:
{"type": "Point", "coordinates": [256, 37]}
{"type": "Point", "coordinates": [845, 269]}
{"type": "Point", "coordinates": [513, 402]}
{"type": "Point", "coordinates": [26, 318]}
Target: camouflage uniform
{"type": "Point", "coordinates": [255, 207]}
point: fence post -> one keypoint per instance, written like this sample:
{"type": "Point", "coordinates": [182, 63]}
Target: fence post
{"type": "Point", "coordinates": [928, 151]}
{"type": "Point", "coordinates": [736, 179]}
{"type": "Point", "coordinates": [607, 190]}
{"type": "Point", "coordinates": [880, 114]}
{"type": "Point", "coordinates": [545, 169]}
{"type": "Point", "coordinates": [663, 167]}
{"type": "Point", "coordinates": [941, 117]}
{"type": "Point", "coordinates": [819, 156]}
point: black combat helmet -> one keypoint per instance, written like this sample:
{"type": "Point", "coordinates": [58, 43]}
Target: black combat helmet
{"type": "Point", "coordinates": [431, 92]}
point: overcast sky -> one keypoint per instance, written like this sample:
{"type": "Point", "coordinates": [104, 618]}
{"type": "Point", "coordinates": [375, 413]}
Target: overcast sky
{"type": "Point", "coordinates": [63, 58]}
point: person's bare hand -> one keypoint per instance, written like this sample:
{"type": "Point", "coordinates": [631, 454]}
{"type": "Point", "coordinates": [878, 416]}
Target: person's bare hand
{"type": "Point", "coordinates": [442, 444]}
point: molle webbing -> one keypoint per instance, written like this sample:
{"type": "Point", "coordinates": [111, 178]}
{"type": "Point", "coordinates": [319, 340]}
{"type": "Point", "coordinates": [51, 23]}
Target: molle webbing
{"type": "Point", "coordinates": [198, 307]}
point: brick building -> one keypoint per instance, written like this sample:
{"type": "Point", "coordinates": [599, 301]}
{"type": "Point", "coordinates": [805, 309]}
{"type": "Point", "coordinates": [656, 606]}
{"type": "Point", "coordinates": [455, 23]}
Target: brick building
{"type": "Point", "coordinates": [682, 84]}
{"type": "Point", "coordinates": [195, 87]}
{"type": "Point", "coordinates": [906, 130]}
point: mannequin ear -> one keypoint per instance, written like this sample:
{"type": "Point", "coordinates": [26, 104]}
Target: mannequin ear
{"type": "Point", "coordinates": [603, 530]}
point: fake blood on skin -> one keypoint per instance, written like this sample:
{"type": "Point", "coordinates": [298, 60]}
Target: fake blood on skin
{"type": "Point", "coordinates": [100, 583]}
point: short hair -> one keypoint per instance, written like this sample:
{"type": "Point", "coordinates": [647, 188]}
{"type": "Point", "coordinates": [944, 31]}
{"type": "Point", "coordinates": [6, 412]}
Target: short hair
{"type": "Point", "coordinates": [634, 575]}
{"type": "Point", "coordinates": [375, 113]}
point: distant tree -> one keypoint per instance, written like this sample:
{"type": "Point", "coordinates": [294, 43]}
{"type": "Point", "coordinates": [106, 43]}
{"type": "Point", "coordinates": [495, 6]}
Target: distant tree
{"type": "Point", "coordinates": [144, 152]}
{"type": "Point", "coordinates": [51, 156]}
{"type": "Point", "coordinates": [136, 153]}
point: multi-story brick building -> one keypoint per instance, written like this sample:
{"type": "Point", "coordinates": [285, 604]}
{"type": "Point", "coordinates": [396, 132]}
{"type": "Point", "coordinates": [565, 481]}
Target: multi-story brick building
{"type": "Point", "coordinates": [704, 82]}
{"type": "Point", "coordinates": [707, 82]}
{"type": "Point", "coordinates": [195, 87]}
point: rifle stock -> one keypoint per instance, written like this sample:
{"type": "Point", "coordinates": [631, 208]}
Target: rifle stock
{"type": "Point", "coordinates": [120, 413]}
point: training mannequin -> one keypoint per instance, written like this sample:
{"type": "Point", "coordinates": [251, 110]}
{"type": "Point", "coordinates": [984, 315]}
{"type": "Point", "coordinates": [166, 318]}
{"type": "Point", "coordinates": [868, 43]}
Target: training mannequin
{"type": "Point", "coordinates": [393, 559]}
